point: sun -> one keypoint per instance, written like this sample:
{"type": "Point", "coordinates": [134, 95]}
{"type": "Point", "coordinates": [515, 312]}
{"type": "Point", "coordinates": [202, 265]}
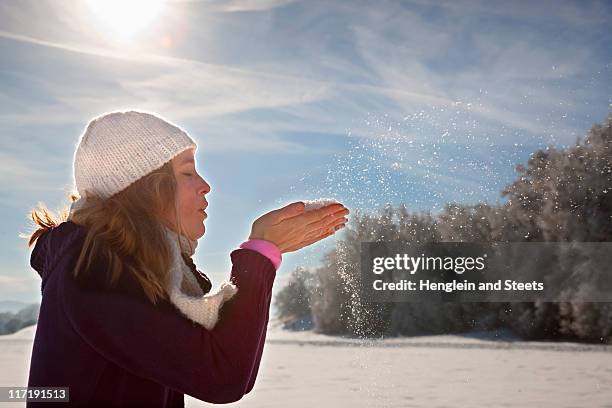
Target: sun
{"type": "Point", "coordinates": [122, 20]}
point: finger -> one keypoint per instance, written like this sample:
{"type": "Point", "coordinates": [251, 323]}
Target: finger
{"type": "Point", "coordinates": [312, 238]}
{"type": "Point", "coordinates": [326, 234]}
{"type": "Point", "coordinates": [327, 221]}
{"type": "Point", "coordinates": [315, 215]}
{"type": "Point", "coordinates": [310, 217]}
{"type": "Point", "coordinates": [288, 211]}
{"type": "Point", "coordinates": [320, 230]}
{"type": "Point", "coordinates": [312, 220]}
{"type": "Point", "coordinates": [310, 241]}
{"type": "Point", "coordinates": [318, 237]}
{"type": "Point", "coordinates": [330, 221]}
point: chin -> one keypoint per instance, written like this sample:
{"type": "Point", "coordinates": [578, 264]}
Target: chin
{"type": "Point", "coordinates": [199, 233]}
{"type": "Point", "coordinates": [195, 232]}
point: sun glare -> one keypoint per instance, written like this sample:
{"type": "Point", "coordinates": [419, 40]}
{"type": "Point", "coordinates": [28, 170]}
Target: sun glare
{"type": "Point", "coordinates": [122, 20]}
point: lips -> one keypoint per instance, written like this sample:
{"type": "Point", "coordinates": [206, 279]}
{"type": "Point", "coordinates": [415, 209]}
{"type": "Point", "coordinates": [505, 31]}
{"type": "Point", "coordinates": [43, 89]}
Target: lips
{"type": "Point", "coordinates": [201, 211]}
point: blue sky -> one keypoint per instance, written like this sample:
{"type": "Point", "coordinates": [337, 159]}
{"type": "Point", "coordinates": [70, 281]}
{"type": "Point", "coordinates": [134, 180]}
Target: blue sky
{"type": "Point", "coordinates": [412, 102]}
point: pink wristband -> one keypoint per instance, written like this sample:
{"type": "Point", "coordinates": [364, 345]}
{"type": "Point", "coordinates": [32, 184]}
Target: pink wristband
{"type": "Point", "coordinates": [266, 248]}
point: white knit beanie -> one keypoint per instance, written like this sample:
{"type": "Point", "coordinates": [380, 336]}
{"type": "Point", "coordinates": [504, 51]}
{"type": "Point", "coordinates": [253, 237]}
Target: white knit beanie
{"type": "Point", "coordinates": [118, 148]}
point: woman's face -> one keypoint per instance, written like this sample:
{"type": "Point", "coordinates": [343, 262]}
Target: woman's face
{"type": "Point", "coordinates": [191, 188]}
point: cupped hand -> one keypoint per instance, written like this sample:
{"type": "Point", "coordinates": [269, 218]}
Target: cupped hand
{"type": "Point", "coordinates": [291, 228]}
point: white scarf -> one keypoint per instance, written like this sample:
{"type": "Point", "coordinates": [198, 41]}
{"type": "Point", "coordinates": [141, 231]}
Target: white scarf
{"type": "Point", "coordinates": [182, 287]}
{"type": "Point", "coordinates": [185, 292]}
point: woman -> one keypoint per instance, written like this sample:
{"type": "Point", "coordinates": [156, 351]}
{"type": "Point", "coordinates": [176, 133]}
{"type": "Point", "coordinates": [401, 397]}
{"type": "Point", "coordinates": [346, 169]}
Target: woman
{"type": "Point", "coordinates": [126, 318]}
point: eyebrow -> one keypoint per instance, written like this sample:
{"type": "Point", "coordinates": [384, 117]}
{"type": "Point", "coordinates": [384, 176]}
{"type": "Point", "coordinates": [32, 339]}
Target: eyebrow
{"type": "Point", "coordinates": [187, 160]}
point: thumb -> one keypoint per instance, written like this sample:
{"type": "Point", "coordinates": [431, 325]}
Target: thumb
{"type": "Point", "coordinates": [290, 210]}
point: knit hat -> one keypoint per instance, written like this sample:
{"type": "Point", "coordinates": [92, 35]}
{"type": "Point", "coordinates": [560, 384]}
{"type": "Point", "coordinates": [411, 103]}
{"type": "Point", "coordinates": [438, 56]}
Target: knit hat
{"type": "Point", "coordinates": [118, 148]}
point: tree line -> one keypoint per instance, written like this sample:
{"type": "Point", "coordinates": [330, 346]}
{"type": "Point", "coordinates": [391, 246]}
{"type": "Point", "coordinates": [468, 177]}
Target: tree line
{"type": "Point", "coordinates": [561, 195]}
{"type": "Point", "coordinates": [12, 322]}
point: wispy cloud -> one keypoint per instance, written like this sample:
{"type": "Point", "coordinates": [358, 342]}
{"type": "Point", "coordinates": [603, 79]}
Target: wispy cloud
{"type": "Point", "coordinates": [238, 5]}
{"type": "Point", "coordinates": [19, 283]}
{"type": "Point", "coordinates": [180, 89]}
{"type": "Point", "coordinates": [251, 5]}
{"type": "Point", "coordinates": [398, 52]}
{"type": "Point", "coordinates": [495, 73]}
{"type": "Point", "coordinates": [66, 46]}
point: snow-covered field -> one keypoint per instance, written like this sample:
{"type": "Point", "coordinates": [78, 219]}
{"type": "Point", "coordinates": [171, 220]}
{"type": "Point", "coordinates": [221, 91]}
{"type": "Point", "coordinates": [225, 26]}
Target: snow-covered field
{"type": "Point", "coordinates": [309, 370]}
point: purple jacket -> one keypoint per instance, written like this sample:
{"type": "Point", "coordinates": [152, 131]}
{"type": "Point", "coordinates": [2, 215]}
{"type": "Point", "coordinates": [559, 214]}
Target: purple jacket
{"type": "Point", "coordinates": [112, 347]}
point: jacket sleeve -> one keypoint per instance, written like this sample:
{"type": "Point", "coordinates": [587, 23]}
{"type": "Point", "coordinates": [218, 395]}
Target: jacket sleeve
{"type": "Point", "coordinates": [158, 343]}
{"type": "Point", "coordinates": [267, 248]}
{"type": "Point", "coordinates": [38, 261]}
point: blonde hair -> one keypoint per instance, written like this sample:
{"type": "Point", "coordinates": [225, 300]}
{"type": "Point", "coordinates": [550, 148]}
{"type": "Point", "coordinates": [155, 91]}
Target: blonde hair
{"type": "Point", "coordinates": [126, 229]}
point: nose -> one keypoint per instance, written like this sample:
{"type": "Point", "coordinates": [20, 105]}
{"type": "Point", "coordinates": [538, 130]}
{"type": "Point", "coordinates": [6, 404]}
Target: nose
{"type": "Point", "coordinates": [205, 188]}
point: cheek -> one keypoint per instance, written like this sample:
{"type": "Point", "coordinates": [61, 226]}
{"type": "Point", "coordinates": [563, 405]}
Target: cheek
{"type": "Point", "coordinates": [187, 201]}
